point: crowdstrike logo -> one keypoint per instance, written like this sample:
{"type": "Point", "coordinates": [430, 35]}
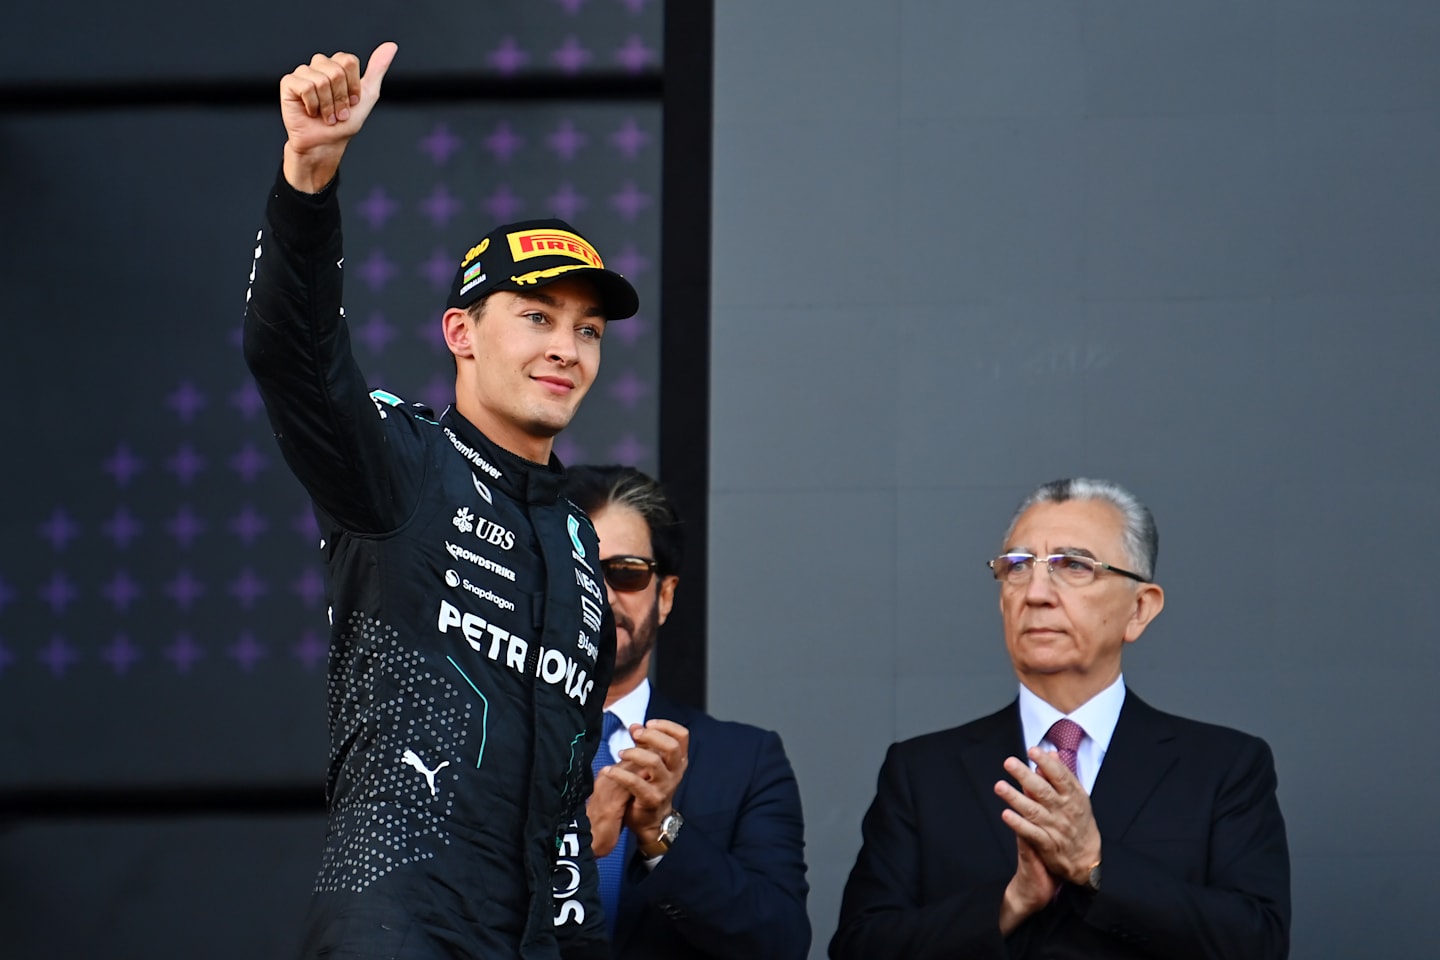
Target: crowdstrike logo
{"type": "Point", "coordinates": [469, 453]}
{"type": "Point", "coordinates": [470, 556]}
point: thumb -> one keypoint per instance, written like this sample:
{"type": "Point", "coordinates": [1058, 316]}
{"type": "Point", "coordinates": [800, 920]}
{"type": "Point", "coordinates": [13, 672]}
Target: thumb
{"type": "Point", "coordinates": [379, 64]}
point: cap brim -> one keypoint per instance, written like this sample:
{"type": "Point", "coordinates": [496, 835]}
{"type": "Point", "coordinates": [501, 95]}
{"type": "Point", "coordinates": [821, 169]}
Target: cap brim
{"type": "Point", "coordinates": [618, 298]}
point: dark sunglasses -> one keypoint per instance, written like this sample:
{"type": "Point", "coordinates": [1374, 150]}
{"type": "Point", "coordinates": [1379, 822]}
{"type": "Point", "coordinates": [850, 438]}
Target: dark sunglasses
{"type": "Point", "coordinates": [628, 574]}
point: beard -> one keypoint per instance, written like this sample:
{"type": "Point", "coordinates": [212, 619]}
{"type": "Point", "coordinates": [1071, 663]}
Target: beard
{"type": "Point", "coordinates": [642, 640]}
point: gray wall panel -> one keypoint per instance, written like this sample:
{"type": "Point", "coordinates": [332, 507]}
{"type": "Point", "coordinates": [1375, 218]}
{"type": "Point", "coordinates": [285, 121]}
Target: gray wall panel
{"type": "Point", "coordinates": [1191, 247]}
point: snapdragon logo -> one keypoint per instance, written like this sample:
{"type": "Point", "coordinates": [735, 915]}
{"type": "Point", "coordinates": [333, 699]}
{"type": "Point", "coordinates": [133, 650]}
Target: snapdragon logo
{"type": "Point", "coordinates": [454, 579]}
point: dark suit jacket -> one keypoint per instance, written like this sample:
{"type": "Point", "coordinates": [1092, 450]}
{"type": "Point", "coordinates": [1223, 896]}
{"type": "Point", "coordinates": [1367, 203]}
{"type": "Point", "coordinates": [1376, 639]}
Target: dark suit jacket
{"type": "Point", "coordinates": [1195, 863]}
{"type": "Point", "coordinates": [733, 884]}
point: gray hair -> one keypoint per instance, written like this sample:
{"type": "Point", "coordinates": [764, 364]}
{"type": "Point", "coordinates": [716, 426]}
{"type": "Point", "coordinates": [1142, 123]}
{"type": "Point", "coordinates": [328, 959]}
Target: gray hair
{"type": "Point", "coordinates": [1141, 539]}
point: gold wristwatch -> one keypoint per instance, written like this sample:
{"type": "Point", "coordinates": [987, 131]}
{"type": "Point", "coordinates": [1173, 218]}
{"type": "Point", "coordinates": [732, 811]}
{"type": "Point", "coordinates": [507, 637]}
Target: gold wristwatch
{"type": "Point", "coordinates": [669, 830]}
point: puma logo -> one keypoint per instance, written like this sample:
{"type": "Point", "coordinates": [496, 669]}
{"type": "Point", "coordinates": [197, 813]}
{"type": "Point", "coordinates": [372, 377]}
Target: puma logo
{"type": "Point", "coordinates": [412, 758]}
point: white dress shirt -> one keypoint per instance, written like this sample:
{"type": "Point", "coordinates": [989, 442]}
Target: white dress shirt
{"type": "Point", "coordinates": [630, 709]}
{"type": "Point", "coordinates": [1096, 716]}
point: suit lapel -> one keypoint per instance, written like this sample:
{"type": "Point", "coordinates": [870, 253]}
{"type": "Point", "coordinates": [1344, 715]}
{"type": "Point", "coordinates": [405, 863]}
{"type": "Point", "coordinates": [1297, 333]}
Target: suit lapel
{"type": "Point", "coordinates": [630, 912]}
{"type": "Point", "coordinates": [1141, 753]}
{"type": "Point", "coordinates": [989, 742]}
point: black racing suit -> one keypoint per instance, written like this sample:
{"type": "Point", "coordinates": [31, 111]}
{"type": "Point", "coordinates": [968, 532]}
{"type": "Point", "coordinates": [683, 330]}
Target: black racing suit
{"type": "Point", "coordinates": [471, 644]}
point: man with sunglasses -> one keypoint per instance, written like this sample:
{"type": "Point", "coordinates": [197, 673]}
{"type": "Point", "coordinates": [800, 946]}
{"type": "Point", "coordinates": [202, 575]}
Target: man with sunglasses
{"type": "Point", "coordinates": [1129, 833]}
{"type": "Point", "coordinates": [725, 878]}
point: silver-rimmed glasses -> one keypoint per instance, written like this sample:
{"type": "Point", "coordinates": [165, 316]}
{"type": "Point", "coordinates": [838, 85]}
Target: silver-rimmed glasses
{"type": "Point", "coordinates": [1071, 569]}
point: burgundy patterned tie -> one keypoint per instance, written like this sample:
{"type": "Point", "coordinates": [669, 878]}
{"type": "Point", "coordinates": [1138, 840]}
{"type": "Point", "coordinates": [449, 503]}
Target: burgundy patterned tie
{"type": "Point", "coordinates": [1066, 734]}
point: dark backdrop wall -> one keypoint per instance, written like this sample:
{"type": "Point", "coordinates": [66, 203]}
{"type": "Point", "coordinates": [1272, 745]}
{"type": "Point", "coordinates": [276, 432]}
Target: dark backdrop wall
{"type": "Point", "coordinates": [162, 628]}
{"type": "Point", "coordinates": [963, 247]}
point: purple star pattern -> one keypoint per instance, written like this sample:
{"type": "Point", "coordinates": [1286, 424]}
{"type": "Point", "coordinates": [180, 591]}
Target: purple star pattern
{"type": "Point", "coordinates": [305, 525]}
{"type": "Point", "coordinates": [440, 143]}
{"type": "Point", "coordinates": [59, 529]}
{"type": "Point", "coordinates": [247, 400]}
{"type": "Point", "coordinates": [120, 654]}
{"type": "Point", "coordinates": [439, 391]}
{"type": "Point", "coordinates": [59, 593]}
{"type": "Point", "coordinates": [184, 589]}
{"type": "Point", "coordinates": [565, 202]}
{"type": "Point", "coordinates": [429, 332]}
{"type": "Point", "coordinates": [309, 586]}
{"type": "Point", "coordinates": [630, 139]}
{"type": "Point", "coordinates": [185, 526]}
{"type": "Point", "coordinates": [628, 450]}
{"type": "Point", "coordinates": [630, 201]}
{"type": "Point", "coordinates": [186, 464]}
{"type": "Point", "coordinates": [566, 141]}
{"type": "Point", "coordinates": [247, 588]}
{"type": "Point", "coordinates": [58, 656]}
{"type": "Point", "coordinates": [123, 465]}
{"type": "Point", "coordinates": [311, 650]}
{"type": "Point", "coordinates": [377, 207]}
{"type": "Point", "coordinates": [502, 204]}
{"type": "Point", "coordinates": [184, 653]}
{"type": "Point", "coordinates": [6, 657]}
{"type": "Point", "coordinates": [237, 335]}
{"type": "Point", "coordinates": [628, 389]}
{"type": "Point", "coordinates": [508, 57]}
{"type": "Point", "coordinates": [7, 594]}
{"type": "Point", "coordinates": [629, 330]}
{"type": "Point", "coordinates": [186, 401]}
{"type": "Point", "coordinates": [377, 271]}
{"type": "Point", "coordinates": [571, 57]}
{"type": "Point", "coordinates": [629, 261]}
{"type": "Point", "coordinates": [249, 462]}
{"type": "Point", "coordinates": [121, 591]}
{"type": "Point", "coordinates": [376, 333]}
{"type": "Point", "coordinates": [504, 142]}
{"type": "Point", "coordinates": [248, 525]}
{"type": "Point", "coordinates": [440, 206]}
{"type": "Point", "coordinates": [439, 269]}
{"type": "Point", "coordinates": [122, 528]}
{"type": "Point", "coordinates": [247, 652]}
{"type": "Point", "coordinates": [569, 451]}
{"type": "Point", "coordinates": [634, 56]}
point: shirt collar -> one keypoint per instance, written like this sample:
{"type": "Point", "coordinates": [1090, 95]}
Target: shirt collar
{"type": "Point", "coordinates": [631, 709]}
{"type": "Point", "coordinates": [1096, 716]}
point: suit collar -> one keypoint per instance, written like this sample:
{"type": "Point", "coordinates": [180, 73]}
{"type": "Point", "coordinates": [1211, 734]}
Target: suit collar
{"type": "Point", "coordinates": [1143, 750]}
{"type": "Point", "coordinates": [988, 742]}
{"type": "Point", "coordinates": [663, 708]}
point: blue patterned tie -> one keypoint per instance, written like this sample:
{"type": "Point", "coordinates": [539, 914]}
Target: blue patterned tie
{"type": "Point", "coordinates": [612, 865]}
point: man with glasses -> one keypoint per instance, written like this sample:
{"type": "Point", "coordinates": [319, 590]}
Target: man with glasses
{"type": "Point", "coordinates": [1129, 832]}
{"type": "Point", "coordinates": [725, 878]}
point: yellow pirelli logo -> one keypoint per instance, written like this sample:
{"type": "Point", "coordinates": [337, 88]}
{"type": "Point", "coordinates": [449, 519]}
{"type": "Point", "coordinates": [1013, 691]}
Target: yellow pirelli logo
{"type": "Point", "coordinates": [552, 243]}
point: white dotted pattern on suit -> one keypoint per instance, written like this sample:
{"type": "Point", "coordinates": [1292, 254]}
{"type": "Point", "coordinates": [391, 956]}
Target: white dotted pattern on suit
{"type": "Point", "coordinates": [388, 815]}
